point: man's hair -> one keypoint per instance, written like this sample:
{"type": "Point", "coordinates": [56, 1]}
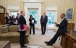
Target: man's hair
{"type": "Point", "coordinates": [63, 14]}
{"type": "Point", "coordinates": [21, 12]}
{"type": "Point", "coordinates": [7, 13]}
{"type": "Point", "coordinates": [17, 13]}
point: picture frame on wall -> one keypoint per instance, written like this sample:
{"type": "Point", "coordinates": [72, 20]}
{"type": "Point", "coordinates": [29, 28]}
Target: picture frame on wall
{"type": "Point", "coordinates": [69, 13]}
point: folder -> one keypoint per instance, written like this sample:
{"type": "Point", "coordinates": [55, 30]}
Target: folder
{"type": "Point", "coordinates": [25, 28]}
{"type": "Point", "coordinates": [32, 21]}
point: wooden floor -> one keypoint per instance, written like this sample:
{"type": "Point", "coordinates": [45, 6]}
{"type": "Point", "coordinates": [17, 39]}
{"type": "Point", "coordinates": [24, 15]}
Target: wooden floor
{"type": "Point", "coordinates": [39, 39]}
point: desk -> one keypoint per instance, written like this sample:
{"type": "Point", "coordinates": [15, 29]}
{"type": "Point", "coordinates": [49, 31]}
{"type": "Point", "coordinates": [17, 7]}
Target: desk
{"type": "Point", "coordinates": [68, 40]}
{"type": "Point", "coordinates": [5, 44]}
{"type": "Point", "coordinates": [70, 26]}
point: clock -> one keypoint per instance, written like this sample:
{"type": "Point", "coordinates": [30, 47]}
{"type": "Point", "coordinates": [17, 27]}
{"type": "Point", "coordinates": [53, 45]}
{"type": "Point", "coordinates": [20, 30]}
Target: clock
{"type": "Point", "coordinates": [2, 9]}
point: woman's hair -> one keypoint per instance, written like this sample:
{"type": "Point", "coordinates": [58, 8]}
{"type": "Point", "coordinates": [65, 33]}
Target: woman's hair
{"type": "Point", "coordinates": [12, 16]}
{"type": "Point", "coordinates": [30, 16]}
{"type": "Point", "coordinates": [17, 13]}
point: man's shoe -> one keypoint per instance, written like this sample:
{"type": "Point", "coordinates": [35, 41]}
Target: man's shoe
{"type": "Point", "coordinates": [46, 42]}
{"type": "Point", "coordinates": [25, 46]}
{"type": "Point", "coordinates": [33, 34]}
{"type": "Point", "coordinates": [22, 47]}
{"type": "Point", "coordinates": [41, 34]}
{"type": "Point", "coordinates": [49, 44]}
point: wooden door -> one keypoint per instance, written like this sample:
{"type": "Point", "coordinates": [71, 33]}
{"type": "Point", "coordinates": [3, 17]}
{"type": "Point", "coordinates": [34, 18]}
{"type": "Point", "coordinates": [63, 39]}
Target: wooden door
{"type": "Point", "coordinates": [2, 18]}
{"type": "Point", "coordinates": [2, 15]}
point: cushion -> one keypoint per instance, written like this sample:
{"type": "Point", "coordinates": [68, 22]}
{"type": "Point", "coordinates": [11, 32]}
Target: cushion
{"type": "Point", "coordinates": [3, 29]}
{"type": "Point", "coordinates": [9, 34]}
{"type": "Point", "coordinates": [28, 31]}
{"type": "Point", "coordinates": [13, 28]}
{"type": "Point", "coordinates": [16, 34]}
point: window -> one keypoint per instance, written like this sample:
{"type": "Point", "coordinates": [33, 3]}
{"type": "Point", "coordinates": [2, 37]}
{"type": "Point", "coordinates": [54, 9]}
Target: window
{"type": "Point", "coordinates": [50, 18]}
{"type": "Point", "coordinates": [51, 11]}
{"type": "Point", "coordinates": [34, 14]}
{"type": "Point", "coordinates": [14, 13]}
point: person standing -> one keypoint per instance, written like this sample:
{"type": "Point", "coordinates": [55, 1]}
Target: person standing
{"type": "Point", "coordinates": [7, 19]}
{"type": "Point", "coordinates": [43, 21]}
{"type": "Point", "coordinates": [17, 17]}
{"type": "Point", "coordinates": [13, 20]}
{"type": "Point", "coordinates": [32, 24]}
{"type": "Point", "coordinates": [61, 30]}
{"type": "Point", "coordinates": [21, 22]}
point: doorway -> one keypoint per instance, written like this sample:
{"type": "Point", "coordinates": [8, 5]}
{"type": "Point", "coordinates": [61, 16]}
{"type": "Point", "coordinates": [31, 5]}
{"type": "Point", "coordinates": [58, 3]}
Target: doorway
{"type": "Point", "coordinates": [51, 19]}
{"type": "Point", "coordinates": [51, 11]}
{"type": "Point", "coordinates": [34, 13]}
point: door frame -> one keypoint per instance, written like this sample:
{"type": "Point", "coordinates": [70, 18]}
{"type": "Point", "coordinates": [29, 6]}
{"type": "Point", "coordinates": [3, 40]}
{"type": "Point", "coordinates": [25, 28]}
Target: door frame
{"type": "Point", "coordinates": [55, 18]}
{"type": "Point", "coordinates": [36, 26]}
{"type": "Point", "coordinates": [33, 5]}
{"type": "Point", "coordinates": [52, 7]}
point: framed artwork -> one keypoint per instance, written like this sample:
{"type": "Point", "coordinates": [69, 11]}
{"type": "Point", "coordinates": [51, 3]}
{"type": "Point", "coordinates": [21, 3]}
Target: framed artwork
{"type": "Point", "coordinates": [2, 9]}
{"type": "Point", "coordinates": [69, 12]}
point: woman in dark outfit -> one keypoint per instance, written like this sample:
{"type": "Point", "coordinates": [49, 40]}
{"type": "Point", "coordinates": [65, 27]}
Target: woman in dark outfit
{"type": "Point", "coordinates": [10, 20]}
{"type": "Point", "coordinates": [32, 24]}
{"type": "Point", "coordinates": [13, 20]}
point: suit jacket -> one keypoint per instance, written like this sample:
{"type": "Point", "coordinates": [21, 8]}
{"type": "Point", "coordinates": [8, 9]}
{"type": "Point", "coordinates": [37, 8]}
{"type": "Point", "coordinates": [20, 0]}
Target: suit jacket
{"type": "Point", "coordinates": [21, 21]}
{"type": "Point", "coordinates": [13, 19]}
{"type": "Point", "coordinates": [46, 19]}
{"type": "Point", "coordinates": [6, 18]}
{"type": "Point", "coordinates": [62, 26]}
{"type": "Point", "coordinates": [30, 22]}
{"type": "Point", "coordinates": [17, 18]}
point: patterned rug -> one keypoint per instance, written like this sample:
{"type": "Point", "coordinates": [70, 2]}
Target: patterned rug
{"type": "Point", "coordinates": [34, 46]}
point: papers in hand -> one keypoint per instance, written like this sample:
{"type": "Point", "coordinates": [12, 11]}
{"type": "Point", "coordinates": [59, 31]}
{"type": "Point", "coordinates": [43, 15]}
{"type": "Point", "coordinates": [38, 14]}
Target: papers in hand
{"type": "Point", "coordinates": [25, 28]}
{"type": "Point", "coordinates": [32, 21]}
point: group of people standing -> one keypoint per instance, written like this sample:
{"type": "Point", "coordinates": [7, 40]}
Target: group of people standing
{"type": "Point", "coordinates": [11, 20]}
{"type": "Point", "coordinates": [43, 21]}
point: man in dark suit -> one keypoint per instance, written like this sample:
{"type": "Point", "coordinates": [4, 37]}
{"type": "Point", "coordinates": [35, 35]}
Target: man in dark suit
{"type": "Point", "coordinates": [17, 16]}
{"type": "Point", "coordinates": [7, 19]}
{"type": "Point", "coordinates": [61, 30]}
{"type": "Point", "coordinates": [43, 21]}
{"type": "Point", "coordinates": [21, 22]}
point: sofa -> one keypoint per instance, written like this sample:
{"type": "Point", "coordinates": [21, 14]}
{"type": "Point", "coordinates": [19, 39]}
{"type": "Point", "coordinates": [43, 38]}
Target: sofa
{"type": "Point", "coordinates": [10, 33]}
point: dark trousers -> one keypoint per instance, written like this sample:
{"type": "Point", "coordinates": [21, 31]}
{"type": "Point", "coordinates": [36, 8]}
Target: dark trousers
{"type": "Point", "coordinates": [43, 27]}
{"type": "Point", "coordinates": [32, 26]}
{"type": "Point", "coordinates": [22, 38]}
{"type": "Point", "coordinates": [53, 40]}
